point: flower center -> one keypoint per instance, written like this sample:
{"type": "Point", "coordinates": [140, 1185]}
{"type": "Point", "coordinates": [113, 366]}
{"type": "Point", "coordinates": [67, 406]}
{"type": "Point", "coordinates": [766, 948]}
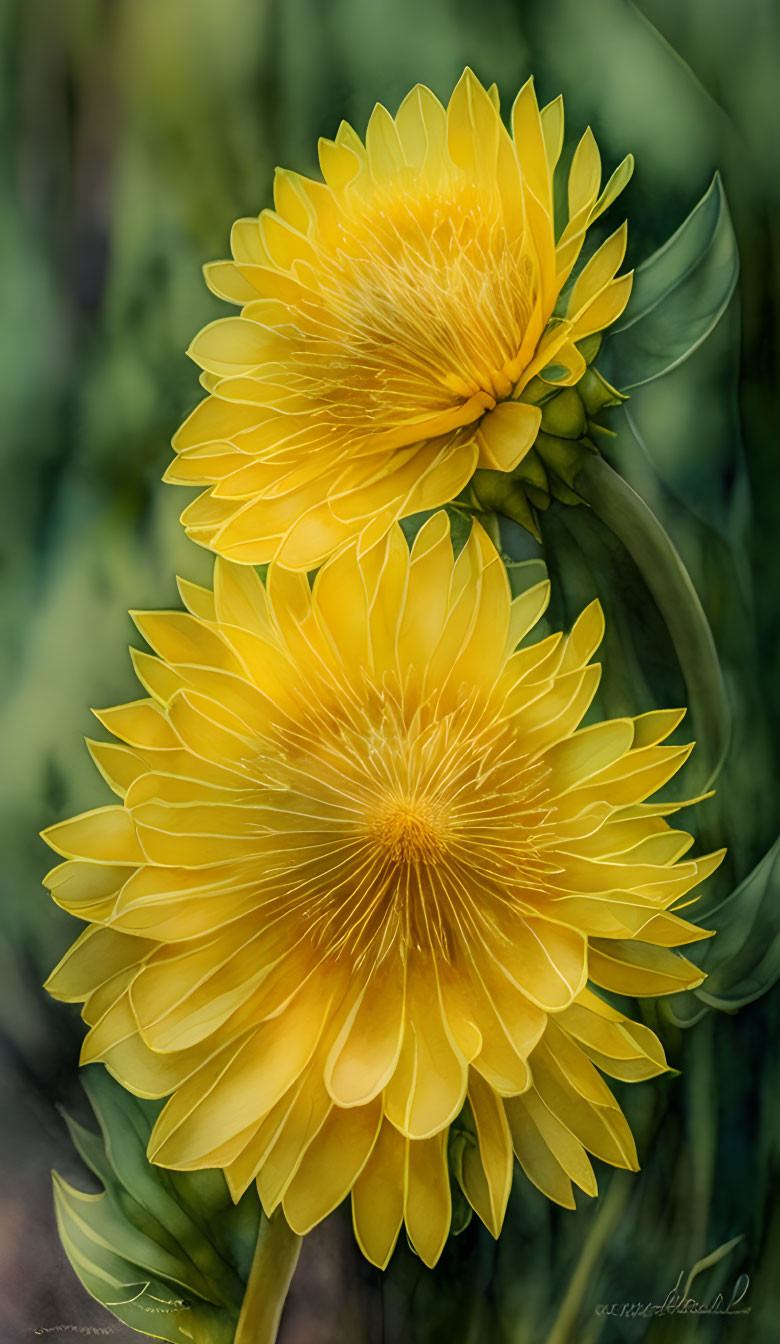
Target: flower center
{"type": "Point", "coordinates": [411, 831]}
{"type": "Point", "coordinates": [428, 301]}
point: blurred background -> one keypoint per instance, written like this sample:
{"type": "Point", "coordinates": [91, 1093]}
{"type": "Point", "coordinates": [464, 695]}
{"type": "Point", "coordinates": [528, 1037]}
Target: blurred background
{"type": "Point", "coordinates": [133, 133]}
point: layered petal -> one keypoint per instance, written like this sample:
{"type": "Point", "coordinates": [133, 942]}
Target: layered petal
{"type": "Point", "coordinates": [391, 317]}
{"type": "Point", "coordinates": [367, 872]}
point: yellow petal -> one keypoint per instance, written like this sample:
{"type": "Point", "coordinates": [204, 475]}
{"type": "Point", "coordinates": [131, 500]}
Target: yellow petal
{"type": "Point", "coordinates": [427, 1202]}
{"type": "Point", "coordinates": [635, 968]}
{"type": "Point", "coordinates": [284, 1137]}
{"type": "Point", "coordinates": [378, 1197]}
{"type": "Point", "coordinates": [530, 144]}
{"type": "Point", "coordinates": [240, 597]}
{"type": "Point", "coordinates": [118, 765]}
{"type": "Point", "coordinates": [506, 434]}
{"type": "Point", "coordinates": [599, 271]}
{"type": "Point", "coordinates": [566, 1151]}
{"type": "Point", "coordinates": [140, 723]}
{"type": "Point", "coordinates": [383, 145]}
{"type": "Point", "coordinates": [106, 835]}
{"type": "Point", "coordinates": [487, 1166]}
{"type": "Point", "coordinates": [331, 1165]}
{"type": "Point", "coordinates": [428, 1087]}
{"type": "Point", "coordinates": [546, 961]}
{"type": "Point", "coordinates": [472, 128]}
{"type": "Point", "coordinates": [584, 175]}
{"type": "Point", "coordinates": [231, 345]}
{"type": "Point", "coordinates": [237, 1087]}
{"type": "Point", "coordinates": [365, 1053]}
{"type": "Point", "coordinates": [226, 281]}
{"type": "Point", "coordinates": [181, 638]}
{"type": "Point", "coordinates": [96, 956]}
{"type": "Point", "coordinates": [588, 751]}
{"type": "Point", "coordinates": [340, 165]}
{"type": "Point", "coordinates": [422, 129]}
{"type": "Point", "coordinates": [534, 1156]}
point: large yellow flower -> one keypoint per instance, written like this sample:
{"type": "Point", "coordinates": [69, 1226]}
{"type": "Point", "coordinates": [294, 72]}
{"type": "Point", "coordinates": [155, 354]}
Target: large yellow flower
{"type": "Point", "coordinates": [391, 317]}
{"type": "Point", "coordinates": [365, 866]}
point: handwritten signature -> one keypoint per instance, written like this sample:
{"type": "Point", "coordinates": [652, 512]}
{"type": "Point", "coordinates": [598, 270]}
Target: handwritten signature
{"type": "Point", "coordinates": [175, 1304]}
{"type": "Point", "coordinates": [62, 1328]}
{"type": "Point", "coordinates": [678, 1303]}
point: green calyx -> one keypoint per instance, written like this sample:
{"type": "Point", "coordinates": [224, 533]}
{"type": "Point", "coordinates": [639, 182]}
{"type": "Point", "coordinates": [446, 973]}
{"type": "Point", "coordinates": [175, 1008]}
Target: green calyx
{"type": "Point", "coordinates": [569, 432]}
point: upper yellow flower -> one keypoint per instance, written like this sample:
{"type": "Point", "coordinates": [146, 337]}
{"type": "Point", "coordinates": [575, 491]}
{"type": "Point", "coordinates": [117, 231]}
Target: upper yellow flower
{"type": "Point", "coordinates": [364, 866]}
{"type": "Point", "coordinates": [391, 318]}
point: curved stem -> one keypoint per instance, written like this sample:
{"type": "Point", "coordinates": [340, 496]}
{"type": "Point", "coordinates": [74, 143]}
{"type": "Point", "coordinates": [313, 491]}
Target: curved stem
{"type": "Point", "coordinates": [273, 1265]}
{"type": "Point", "coordinates": [625, 513]}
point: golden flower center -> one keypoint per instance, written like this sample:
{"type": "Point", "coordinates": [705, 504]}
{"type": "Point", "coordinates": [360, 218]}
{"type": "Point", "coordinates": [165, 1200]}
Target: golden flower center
{"type": "Point", "coordinates": [425, 308]}
{"type": "Point", "coordinates": [411, 830]}
{"type": "Point", "coordinates": [406, 818]}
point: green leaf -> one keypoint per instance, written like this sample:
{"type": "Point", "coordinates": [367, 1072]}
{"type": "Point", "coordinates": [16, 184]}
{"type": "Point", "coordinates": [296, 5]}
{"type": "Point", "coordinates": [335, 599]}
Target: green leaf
{"type": "Point", "coordinates": [182, 1207]}
{"type": "Point", "coordinates": [141, 1301]}
{"type": "Point", "coordinates": [167, 1252]}
{"type": "Point", "coordinates": [743, 961]}
{"type": "Point", "coordinates": [678, 296]}
{"type": "Point", "coordinates": [525, 574]}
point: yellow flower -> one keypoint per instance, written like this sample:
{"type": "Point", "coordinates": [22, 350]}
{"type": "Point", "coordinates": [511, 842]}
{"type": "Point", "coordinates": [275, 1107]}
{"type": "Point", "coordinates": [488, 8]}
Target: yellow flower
{"type": "Point", "coordinates": [391, 318]}
{"type": "Point", "coordinates": [365, 871]}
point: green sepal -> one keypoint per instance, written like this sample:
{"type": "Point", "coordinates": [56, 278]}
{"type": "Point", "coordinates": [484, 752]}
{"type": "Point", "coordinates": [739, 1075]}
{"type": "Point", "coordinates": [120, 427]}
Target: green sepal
{"type": "Point", "coordinates": [678, 296]}
{"type": "Point", "coordinates": [549, 468]}
{"type": "Point", "coordinates": [531, 471]}
{"type": "Point", "coordinates": [539, 499]}
{"type": "Point", "coordinates": [562, 459]}
{"type": "Point", "coordinates": [564, 415]}
{"type": "Point", "coordinates": [597, 394]}
{"type": "Point", "coordinates": [498, 492]}
{"type": "Point", "coordinates": [553, 373]}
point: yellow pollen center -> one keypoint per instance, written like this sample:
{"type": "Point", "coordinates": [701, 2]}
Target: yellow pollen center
{"type": "Point", "coordinates": [411, 831]}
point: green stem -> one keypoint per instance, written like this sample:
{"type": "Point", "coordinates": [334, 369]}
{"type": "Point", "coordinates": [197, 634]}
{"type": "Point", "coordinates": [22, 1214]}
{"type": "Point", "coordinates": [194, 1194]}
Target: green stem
{"type": "Point", "coordinates": [626, 515]}
{"type": "Point", "coordinates": [603, 1227]}
{"type": "Point", "coordinates": [273, 1265]}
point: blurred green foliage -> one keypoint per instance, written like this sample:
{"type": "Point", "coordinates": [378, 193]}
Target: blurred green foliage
{"type": "Point", "coordinates": [133, 133]}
